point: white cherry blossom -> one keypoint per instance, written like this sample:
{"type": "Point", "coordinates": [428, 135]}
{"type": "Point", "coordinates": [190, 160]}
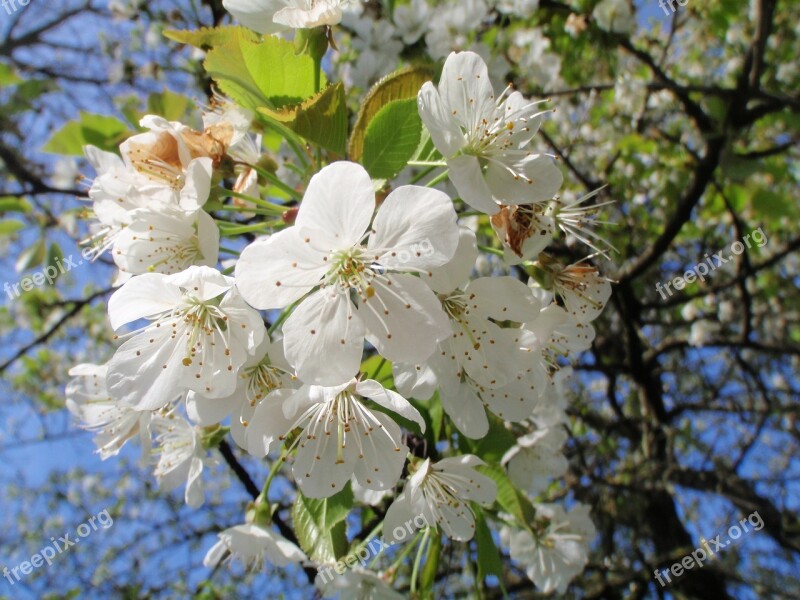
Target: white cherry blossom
{"type": "Point", "coordinates": [252, 545]}
{"type": "Point", "coordinates": [558, 551]}
{"type": "Point", "coordinates": [484, 138]}
{"type": "Point", "coordinates": [181, 456]}
{"type": "Point", "coordinates": [200, 333]}
{"type": "Point", "coordinates": [266, 370]}
{"type": "Point", "coordinates": [536, 459]}
{"type": "Point", "coordinates": [482, 365]}
{"type": "Point", "coordinates": [113, 423]}
{"type": "Point", "coordinates": [355, 584]}
{"type": "Point", "coordinates": [341, 436]}
{"type": "Point", "coordinates": [274, 16]}
{"type": "Point", "coordinates": [363, 290]}
{"type": "Point", "coordinates": [166, 239]}
{"type": "Point", "coordinates": [440, 493]}
{"type": "Point", "coordinates": [584, 291]}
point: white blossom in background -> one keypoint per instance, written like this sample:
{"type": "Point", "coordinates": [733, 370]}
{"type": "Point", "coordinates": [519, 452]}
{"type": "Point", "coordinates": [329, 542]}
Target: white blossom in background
{"type": "Point", "coordinates": [181, 456]}
{"type": "Point", "coordinates": [356, 584]}
{"type": "Point", "coordinates": [341, 436]}
{"type": "Point", "coordinates": [440, 493]}
{"type": "Point", "coordinates": [531, 51]}
{"type": "Point", "coordinates": [113, 424]}
{"type": "Point", "coordinates": [452, 25]}
{"type": "Point", "coordinates": [274, 16]}
{"type": "Point", "coordinates": [484, 138]}
{"type": "Point", "coordinates": [536, 459]}
{"type": "Point", "coordinates": [414, 230]}
{"type": "Point", "coordinates": [558, 551]}
{"type": "Point", "coordinates": [200, 333]}
{"type": "Point", "coordinates": [614, 16]}
{"type": "Point", "coordinates": [252, 545]}
{"type": "Point", "coordinates": [411, 20]}
{"type": "Point", "coordinates": [520, 8]}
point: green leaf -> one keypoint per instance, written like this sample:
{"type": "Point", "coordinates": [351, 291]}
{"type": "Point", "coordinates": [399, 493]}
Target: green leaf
{"type": "Point", "coordinates": [261, 74]}
{"type": "Point", "coordinates": [11, 226]}
{"type": "Point", "coordinates": [392, 138]}
{"type": "Point", "coordinates": [167, 104]}
{"type": "Point", "coordinates": [770, 204]}
{"type": "Point", "coordinates": [427, 578]}
{"type": "Point", "coordinates": [400, 85]}
{"type": "Point", "coordinates": [8, 76]}
{"type": "Point", "coordinates": [495, 443]}
{"type": "Point", "coordinates": [33, 256]}
{"type": "Point", "coordinates": [207, 37]}
{"type": "Point", "coordinates": [98, 130]}
{"type": "Point", "coordinates": [489, 561]}
{"type": "Point", "coordinates": [14, 204]}
{"type": "Point", "coordinates": [508, 497]}
{"type": "Point", "coordinates": [320, 525]}
{"type": "Point", "coordinates": [54, 257]}
{"type": "Point", "coordinates": [322, 119]}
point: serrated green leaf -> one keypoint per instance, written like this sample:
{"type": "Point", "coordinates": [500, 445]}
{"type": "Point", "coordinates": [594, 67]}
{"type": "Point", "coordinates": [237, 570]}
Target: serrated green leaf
{"type": "Point", "coordinates": [392, 138]}
{"type": "Point", "coordinates": [98, 130]}
{"type": "Point", "coordinates": [211, 37]}
{"type": "Point", "coordinates": [400, 85]}
{"type": "Point", "coordinates": [320, 525]}
{"type": "Point", "coordinates": [265, 74]}
{"type": "Point", "coordinates": [489, 561]}
{"type": "Point", "coordinates": [508, 497]}
{"type": "Point", "coordinates": [322, 119]}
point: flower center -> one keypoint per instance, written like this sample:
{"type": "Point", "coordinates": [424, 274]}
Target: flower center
{"type": "Point", "coordinates": [350, 270]}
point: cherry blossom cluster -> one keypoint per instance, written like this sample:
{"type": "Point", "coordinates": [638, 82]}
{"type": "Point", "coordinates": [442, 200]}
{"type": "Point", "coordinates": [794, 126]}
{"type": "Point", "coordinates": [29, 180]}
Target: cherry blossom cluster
{"type": "Point", "coordinates": [270, 345]}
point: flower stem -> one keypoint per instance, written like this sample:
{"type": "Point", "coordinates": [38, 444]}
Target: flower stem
{"type": "Point", "coordinates": [437, 179]}
{"type": "Point", "coordinates": [418, 559]}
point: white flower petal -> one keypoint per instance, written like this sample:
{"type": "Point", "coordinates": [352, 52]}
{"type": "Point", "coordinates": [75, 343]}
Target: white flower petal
{"type": "Point", "coordinates": [404, 318]}
{"type": "Point", "coordinates": [337, 205]}
{"type": "Point", "coordinates": [144, 296]}
{"type": "Point", "coordinates": [382, 454]}
{"type": "Point", "coordinates": [462, 404]}
{"type": "Point", "coordinates": [145, 372]}
{"type": "Point", "coordinates": [390, 400]}
{"type": "Point", "coordinates": [324, 338]}
{"type": "Point", "coordinates": [465, 87]}
{"type": "Point", "coordinates": [268, 423]}
{"type": "Point", "coordinates": [502, 298]}
{"type": "Point", "coordinates": [444, 130]}
{"type": "Point", "coordinates": [415, 227]}
{"type": "Point", "coordinates": [467, 175]}
{"type": "Point", "coordinates": [533, 179]}
{"type": "Point", "coordinates": [277, 271]}
{"type": "Point", "coordinates": [456, 273]}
